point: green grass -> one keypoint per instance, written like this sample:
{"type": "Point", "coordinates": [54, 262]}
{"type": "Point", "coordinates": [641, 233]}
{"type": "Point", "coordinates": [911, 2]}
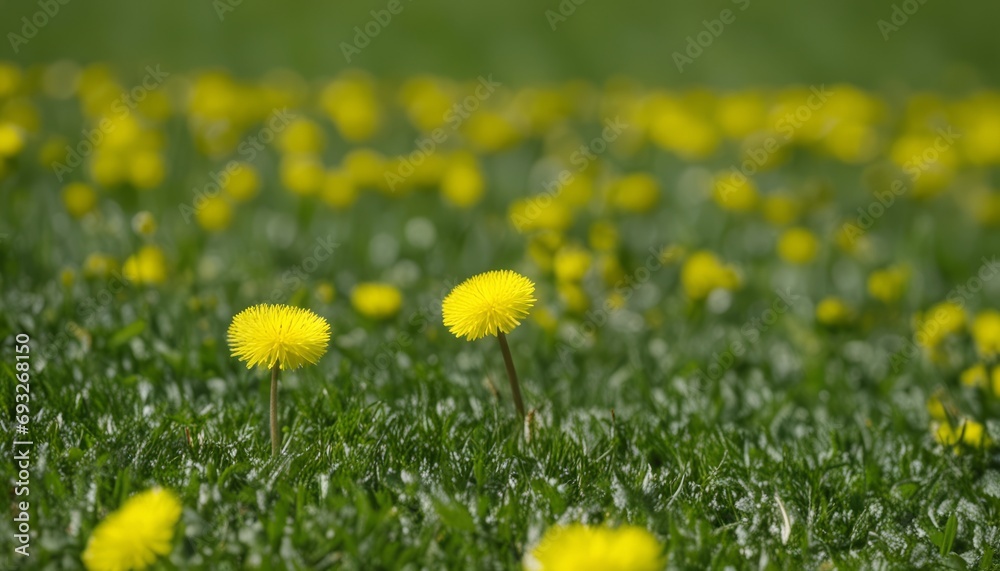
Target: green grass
{"type": "Point", "coordinates": [402, 449]}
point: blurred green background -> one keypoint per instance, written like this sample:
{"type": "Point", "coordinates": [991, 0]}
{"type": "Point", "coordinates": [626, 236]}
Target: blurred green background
{"type": "Point", "coordinates": [944, 45]}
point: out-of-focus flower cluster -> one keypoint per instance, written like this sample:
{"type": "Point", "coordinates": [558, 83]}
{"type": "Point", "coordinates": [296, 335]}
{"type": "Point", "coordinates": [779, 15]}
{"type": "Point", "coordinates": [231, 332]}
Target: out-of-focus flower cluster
{"type": "Point", "coordinates": [604, 185]}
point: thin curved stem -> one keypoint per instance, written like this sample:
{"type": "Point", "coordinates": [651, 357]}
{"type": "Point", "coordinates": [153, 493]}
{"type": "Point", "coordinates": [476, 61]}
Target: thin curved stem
{"type": "Point", "coordinates": [515, 387]}
{"type": "Point", "coordinates": [275, 435]}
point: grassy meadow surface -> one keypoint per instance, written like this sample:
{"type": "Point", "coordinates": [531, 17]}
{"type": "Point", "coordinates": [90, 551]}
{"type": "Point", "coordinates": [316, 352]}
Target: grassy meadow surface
{"type": "Point", "coordinates": [796, 372]}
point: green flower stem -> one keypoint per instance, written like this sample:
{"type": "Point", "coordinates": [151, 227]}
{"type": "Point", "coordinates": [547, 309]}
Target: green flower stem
{"type": "Point", "coordinates": [275, 435]}
{"type": "Point", "coordinates": [515, 387]}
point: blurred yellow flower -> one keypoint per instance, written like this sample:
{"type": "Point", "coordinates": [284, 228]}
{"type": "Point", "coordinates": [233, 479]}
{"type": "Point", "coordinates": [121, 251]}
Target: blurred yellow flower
{"type": "Point", "coordinates": [968, 432]}
{"type": "Point", "coordinates": [243, 183]}
{"type": "Point", "coordinates": [939, 321]}
{"type": "Point", "coordinates": [147, 266]}
{"type": "Point", "coordinates": [146, 169]}
{"type": "Point", "coordinates": [833, 311]}
{"type": "Point", "coordinates": [325, 292]}
{"type": "Point", "coordinates": [136, 535]}
{"type": "Point", "coordinates": [339, 191]}
{"type": "Point", "coordinates": [302, 174]}
{"type": "Point", "coordinates": [780, 209]}
{"type": "Point", "coordinates": [463, 183]}
{"type": "Point", "coordinates": [11, 140]}
{"type": "Point", "coordinates": [986, 333]}
{"type": "Point", "coordinates": [888, 285]}
{"type": "Point", "coordinates": [734, 193]}
{"type": "Point", "coordinates": [638, 192]}
{"type": "Point", "coordinates": [573, 296]}
{"type": "Point", "coordinates": [376, 300]}
{"type": "Point", "coordinates": [798, 246]}
{"type": "Point", "coordinates": [79, 199]}
{"type": "Point", "coordinates": [578, 547]}
{"type": "Point", "coordinates": [603, 236]}
{"type": "Point", "coordinates": [703, 272]}
{"type": "Point", "coordinates": [214, 214]}
{"type": "Point", "coordinates": [571, 263]}
{"type": "Point", "coordinates": [98, 265]}
{"type": "Point", "coordinates": [974, 376]}
{"type": "Point", "coordinates": [301, 137]}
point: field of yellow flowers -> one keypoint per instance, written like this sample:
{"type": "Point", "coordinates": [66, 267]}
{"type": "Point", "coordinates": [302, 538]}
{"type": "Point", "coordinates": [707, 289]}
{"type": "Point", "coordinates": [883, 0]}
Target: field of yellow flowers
{"type": "Point", "coordinates": [249, 322]}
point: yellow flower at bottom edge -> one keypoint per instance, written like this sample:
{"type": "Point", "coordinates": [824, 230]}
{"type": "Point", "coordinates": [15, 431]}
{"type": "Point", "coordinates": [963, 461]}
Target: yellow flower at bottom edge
{"type": "Point", "coordinates": [376, 300]}
{"type": "Point", "coordinates": [135, 535]}
{"type": "Point", "coordinates": [267, 334]}
{"type": "Point", "coordinates": [579, 547]}
{"type": "Point", "coordinates": [488, 304]}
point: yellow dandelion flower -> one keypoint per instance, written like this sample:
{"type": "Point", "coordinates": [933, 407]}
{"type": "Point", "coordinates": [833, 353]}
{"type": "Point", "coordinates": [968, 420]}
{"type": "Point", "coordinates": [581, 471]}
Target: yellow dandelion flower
{"type": "Point", "coordinates": [243, 183]}
{"type": "Point", "coordinates": [98, 265]}
{"type": "Point", "coordinates": [79, 199]}
{"type": "Point", "coordinates": [339, 190]}
{"type": "Point", "coordinates": [986, 333]}
{"type": "Point", "coordinates": [887, 285]}
{"type": "Point", "coordinates": [147, 266]}
{"type": "Point", "coordinates": [703, 272]}
{"type": "Point", "coordinates": [937, 323]}
{"type": "Point", "coordinates": [571, 263]}
{"type": "Point", "coordinates": [488, 304]}
{"type": "Point", "coordinates": [492, 303]}
{"type": "Point", "coordinates": [974, 376]}
{"type": "Point", "coordinates": [278, 335]}
{"type": "Point", "coordinates": [833, 311]}
{"type": "Point", "coordinates": [968, 433]}
{"type": "Point", "coordinates": [135, 535]}
{"type": "Point", "coordinates": [302, 174]}
{"type": "Point", "coordinates": [734, 193]}
{"type": "Point", "coordinates": [798, 246]}
{"type": "Point", "coordinates": [463, 183]}
{"type": "Point", "coordinates": [376, 300]}
{"type": "Point", "coordinates": [11, 139]}
{"type": "Point", "coordinates": [214, 214]}
{"type": "Point", "coordinates": [638, 192]}
{"type": "Point", "coordinates": [579, 547]}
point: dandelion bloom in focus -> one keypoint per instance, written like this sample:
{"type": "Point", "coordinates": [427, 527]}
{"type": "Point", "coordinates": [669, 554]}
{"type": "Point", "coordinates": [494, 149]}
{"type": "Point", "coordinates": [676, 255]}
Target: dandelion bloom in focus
{"type": "Point", "coordinates": [488, 304]}
{"type": "Point", "coordinates": [579, 547]}
{"type": "Point", "coordinates": [135, 535]}
{"type": "Point", "coordinates": [281, 335]}
{"type": "Point", "coordinates": [376, 300]}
